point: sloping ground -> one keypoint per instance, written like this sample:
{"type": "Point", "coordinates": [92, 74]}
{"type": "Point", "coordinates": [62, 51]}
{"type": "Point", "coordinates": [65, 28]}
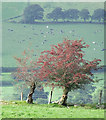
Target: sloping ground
{"type": "Point", "coordinates": [18, 37]}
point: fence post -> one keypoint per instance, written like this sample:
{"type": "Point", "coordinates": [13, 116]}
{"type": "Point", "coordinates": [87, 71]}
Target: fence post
{"type": "Point", "coordinates": [100, 97]}
{"type": "Point", "coordinates": [21, 96]}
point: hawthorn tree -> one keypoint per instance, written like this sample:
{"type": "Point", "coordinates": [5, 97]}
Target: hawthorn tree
{"type": "Point", "coordinates": [24, 73]}
{"type": "Point", "coordinates": [64, 66]}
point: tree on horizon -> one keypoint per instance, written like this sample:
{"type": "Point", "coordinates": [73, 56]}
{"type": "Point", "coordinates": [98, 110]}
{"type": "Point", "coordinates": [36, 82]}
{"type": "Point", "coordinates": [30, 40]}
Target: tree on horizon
{"type": "Point", "coordinates": [84, 14]}
{"type": "Point", "coordinates": [33, 12]}
{"type": "Point", "coordinates": [98, 15]}
{"type": "Point", "coordinates": [55, 14]}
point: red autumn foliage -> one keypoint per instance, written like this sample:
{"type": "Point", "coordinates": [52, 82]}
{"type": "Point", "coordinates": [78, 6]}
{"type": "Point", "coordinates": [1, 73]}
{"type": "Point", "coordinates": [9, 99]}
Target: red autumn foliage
{"type": "Point", "coordinates": [26, 71]}
{"type": "Point", "coordinates": [65, 66]}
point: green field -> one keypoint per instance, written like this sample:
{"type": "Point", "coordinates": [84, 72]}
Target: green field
{"type": "Point", "coordinates": [17, 109]}
{"type": "Point", "coordinates": [17, 37]}
{"type": "Point", "coordinates": [26, 36]}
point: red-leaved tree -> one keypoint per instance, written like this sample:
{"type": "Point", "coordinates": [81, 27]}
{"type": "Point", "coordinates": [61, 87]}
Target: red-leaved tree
{"type": "Point", "coordinates": [24, 73]}
{"type": "Point", "coordinates": [64, 66]}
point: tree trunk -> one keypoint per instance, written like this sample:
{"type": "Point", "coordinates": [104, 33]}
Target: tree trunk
{"type": "Point", "coordinates": [84, 20]}
{"type": "Point", "coordinates": [50, 97]}
{"type": "Point", "coordinates": [29, 98]}
{"type": "Point", "coordinates": [63, 99]}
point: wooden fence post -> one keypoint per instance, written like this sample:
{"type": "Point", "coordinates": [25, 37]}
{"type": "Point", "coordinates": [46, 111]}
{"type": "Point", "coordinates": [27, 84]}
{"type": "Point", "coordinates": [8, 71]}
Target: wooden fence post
{"type": "Point", "coordinates": [100, 97]}
{"type": "Point", "coordinates": [21, 96]}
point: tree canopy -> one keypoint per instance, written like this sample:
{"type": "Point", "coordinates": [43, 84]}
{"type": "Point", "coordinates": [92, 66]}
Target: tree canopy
{"type": "Point", "coordinates": [72, 14]}
{"type": "Point", "coordinates": [84, 14]}
{"type": "Point", "coordinates": [33, 12]}
{"type": "Point", "coordinates": [98, 14]}
{"type": "Point", "coordinates": [64, 65]}
{"type": "Point", "coordinates": [55, 14]}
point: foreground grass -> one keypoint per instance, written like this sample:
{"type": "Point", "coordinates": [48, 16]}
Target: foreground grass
{"type": "Point", "coordinates": [23, 110]}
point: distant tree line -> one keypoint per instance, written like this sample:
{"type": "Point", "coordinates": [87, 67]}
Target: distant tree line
{"type": "Point", "coordinates": [35, 12]}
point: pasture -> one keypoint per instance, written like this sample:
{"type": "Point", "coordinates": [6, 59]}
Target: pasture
{"type": "Point", "coordinates": [18, 37]}
{"type": "Point", "coordinates": [17, 109]}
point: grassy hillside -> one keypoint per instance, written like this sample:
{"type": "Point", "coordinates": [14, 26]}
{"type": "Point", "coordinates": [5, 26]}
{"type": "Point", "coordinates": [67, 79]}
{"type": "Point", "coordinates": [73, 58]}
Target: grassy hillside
{"type": "Point", "coordinates": [17, 109]}
{"type": "Point", "coordinates": [17, 37]}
